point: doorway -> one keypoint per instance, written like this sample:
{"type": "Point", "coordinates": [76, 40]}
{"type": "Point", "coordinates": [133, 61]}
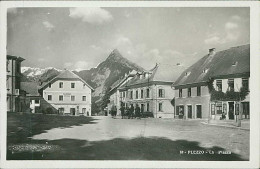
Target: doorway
{"type": "Point", "coordinates": [142, 108]}
{"type": "Point", "coordinates": [72, 111]}
{"type": "Point", "coordinates": [190, 112]}
{"type": "Point", "coordinates": [246, 111]}
{"type": "Point", "coordinates": [198, 110]}
{"type": "Point", "coordinates": [231, 110]}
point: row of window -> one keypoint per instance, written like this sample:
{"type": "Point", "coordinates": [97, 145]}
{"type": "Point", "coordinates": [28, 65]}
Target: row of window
{"type": "Point", "coordinates": [160, 107]}
{"type": "Point", "coordinates": [73, 111]}
{"type": "Point", "coordinates": [161, 94]}
{"type": "Point", "coordinates": [245, 84]}
{"type": "Point", "coordinates": [72, 85]}
{"type": "Point", "coordinates": [189, 92]}
{"type": "Point", "coordinates": [72, 98]}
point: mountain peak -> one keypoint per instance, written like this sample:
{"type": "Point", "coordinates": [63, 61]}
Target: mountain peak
{"type": "Point", "coordinates": [115, 55]}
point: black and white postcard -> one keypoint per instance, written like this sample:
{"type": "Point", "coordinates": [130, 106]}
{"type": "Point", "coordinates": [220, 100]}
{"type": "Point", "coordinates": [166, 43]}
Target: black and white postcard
{"type": "Point", "coordinates": [130, 84]}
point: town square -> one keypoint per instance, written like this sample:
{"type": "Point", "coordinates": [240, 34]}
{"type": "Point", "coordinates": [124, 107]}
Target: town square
{"type": "Point", "coordinates": [119, 83]}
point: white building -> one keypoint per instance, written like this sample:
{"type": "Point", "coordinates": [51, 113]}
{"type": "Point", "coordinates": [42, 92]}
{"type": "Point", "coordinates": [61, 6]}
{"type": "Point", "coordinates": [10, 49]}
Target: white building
{"type": "Point", "coordinates": [68, 93]}
{"type": "Point", "coordinates": [151, 90]}
{"type": "Point", "coordinates": [114, 94]}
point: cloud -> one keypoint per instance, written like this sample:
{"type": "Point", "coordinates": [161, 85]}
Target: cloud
{"type": "Point", "coordinates": [212, 40]}
{"type": "Point", "coordinates": [236, 17]}
{"type": "Point", "coordinates": [79, 65]}
{"type": "Point", "coordinates": [41, 60]}
{"type": "Point", "coordinates": [231, 33]}
{"type": "Point", "coordinates": [231, 25]}
{"type": "Point", "coordinates": [122, 40]}
{"type": "Point", "coordinates": [68, 64]}
{"type": "Point", "coordinates": [12, 10]}
{"type": "Point", "coordinates": [95, 47]}
{"type": "Point", "coordinates": [91, 15]}
{"type": "Point", "coordinates": [48, 25]}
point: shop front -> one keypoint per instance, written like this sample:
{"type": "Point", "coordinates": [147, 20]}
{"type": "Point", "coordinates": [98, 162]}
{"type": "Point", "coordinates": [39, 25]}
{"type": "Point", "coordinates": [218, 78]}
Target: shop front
{"type": "Point", "coordinates": [229, 110]}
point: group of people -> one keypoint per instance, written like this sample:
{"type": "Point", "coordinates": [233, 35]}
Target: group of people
{"type": "Point", "coordinates": [129, 112]}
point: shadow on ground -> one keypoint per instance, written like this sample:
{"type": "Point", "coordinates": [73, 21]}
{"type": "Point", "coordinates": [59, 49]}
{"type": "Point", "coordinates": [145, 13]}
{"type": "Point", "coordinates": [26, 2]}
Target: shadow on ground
{"type": "Point", "coordinates": [140, 148]}
{"type": "Point", "coordinates": [22, 126]}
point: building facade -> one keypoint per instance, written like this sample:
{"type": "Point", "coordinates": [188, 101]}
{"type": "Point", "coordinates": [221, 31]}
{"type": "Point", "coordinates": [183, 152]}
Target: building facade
{"type": "Point", "coordinates": [114, 94]}
{"type": "Point", "coordinates": [68, 93]}
{"type": "Point", "coordinates": [213, 87]}
{"type": "Point", "coordinates": [151, 90]}
{"type": "Point", "coordinates": [233, 106]}
{"type": "Point", "coordinates": [15, 96]}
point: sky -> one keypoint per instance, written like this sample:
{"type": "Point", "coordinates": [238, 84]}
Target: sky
{"type": "Point", "coordinates": [81, 38]}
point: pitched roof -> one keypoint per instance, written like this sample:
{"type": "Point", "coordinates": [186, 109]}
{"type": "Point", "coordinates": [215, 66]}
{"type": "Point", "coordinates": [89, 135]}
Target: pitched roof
{"type": "Point", "coordinates": [31, 88]}
{"type": "Point", "coordinates": [235, 60]}
{"type": "Point", "coordinates": [120, 81]}
{"type": "Point", "coordinates": [66, 74]}
{"type": "Point", "coordinates": [160, 73]}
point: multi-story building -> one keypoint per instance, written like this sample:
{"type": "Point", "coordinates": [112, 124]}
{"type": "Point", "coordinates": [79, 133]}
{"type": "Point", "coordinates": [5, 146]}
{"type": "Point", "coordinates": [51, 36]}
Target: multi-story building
{"type": "Point", "coordinates": [15, 96]}
{"type": "Point", "coordinates": [68, 93]}
{"type": "Point", "coordinates": [114, 94]}
{"type": "Point", "coordinates": [216, 85]}
{"type": "Point", "coordinates": [151, 90]}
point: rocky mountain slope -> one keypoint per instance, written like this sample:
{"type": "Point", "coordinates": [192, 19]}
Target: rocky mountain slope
{"type": "Point", "coordinates": [100, 78]}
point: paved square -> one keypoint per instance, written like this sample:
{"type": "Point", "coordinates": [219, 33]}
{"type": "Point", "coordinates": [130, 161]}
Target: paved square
{"type": "Point", "coordinates": [106, 138]}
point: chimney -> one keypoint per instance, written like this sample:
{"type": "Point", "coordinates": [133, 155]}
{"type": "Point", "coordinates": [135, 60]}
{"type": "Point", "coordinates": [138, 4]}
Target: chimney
{"type": "Point", "coordinates": [212, 51]}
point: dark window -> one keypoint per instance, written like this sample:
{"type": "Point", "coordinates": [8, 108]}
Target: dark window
{"type": "Point", "coordinates": [180, 92]}
{"type": "Point", "coordinates": [84, 98]}
{"type": "Point", "coordinates": [131, 94]}
{"type": "Point", "coordinates": [37, 101]}
{"type": "Point", "coordinates": [61, 84]}
{"type": "Point", "coordinates": [124, 94]}
{"type": "Point", "coordinates": [136, 94]}
{"type": "Point", "coordinates": [49, 97]}
{"type": "Point", "coordinates": [147, 107]}
{"type": "Point", "coordinates": [161, 92]}
{"type": "Point", "coordinates": [72, 85]}
{"type": "Point", "coordinates": [189, 92]}
{"type": "Point", "coordinates": [84, 86]}
{"type": "Point", "coordinates": [231, 84]}
{"type": "Point", "coordinates": [199, 91]}
{"type": "Point", "coordinates": [245, 84]}
{"type": "Point", "coordinates": [160, 107]}
{"type": "Point", "coordinates": [148, 93]}
{"type": "Point", "coordinates": [142, 93]}
{"type": "Point", "coordinates": [49, 85]}
{"type": "Point", "coordinates": [219, 108]}
{"type": "Point", "coordinates": [219, 85]}
{"type": "Point", "coordinates": [72, 98]}
{"type": "Point", "coordinates": [61, 110]}
{"type": "Point", "coordinates": [60, 98]}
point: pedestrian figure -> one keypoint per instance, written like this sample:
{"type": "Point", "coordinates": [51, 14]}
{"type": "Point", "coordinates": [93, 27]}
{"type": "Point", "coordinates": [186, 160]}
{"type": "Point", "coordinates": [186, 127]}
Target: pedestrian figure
{"type": "Point", "coordinates": [113, 110]}
{"type": "Point", "coordinates": [127, 112]}
{"type": "Point", "coordinates": [181, 113]}
{"type": "Point", "coordinates": [131, 112]}
{"type": "Point", "coordinates": [122, 109]}
{"type": "Point", "coordinates": [137, 111]}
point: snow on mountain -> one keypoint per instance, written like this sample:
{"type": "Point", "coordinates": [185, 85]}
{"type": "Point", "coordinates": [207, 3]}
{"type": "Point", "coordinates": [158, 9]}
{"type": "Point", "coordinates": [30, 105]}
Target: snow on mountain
{"type": "Point", "coordinates": [33, 71]}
